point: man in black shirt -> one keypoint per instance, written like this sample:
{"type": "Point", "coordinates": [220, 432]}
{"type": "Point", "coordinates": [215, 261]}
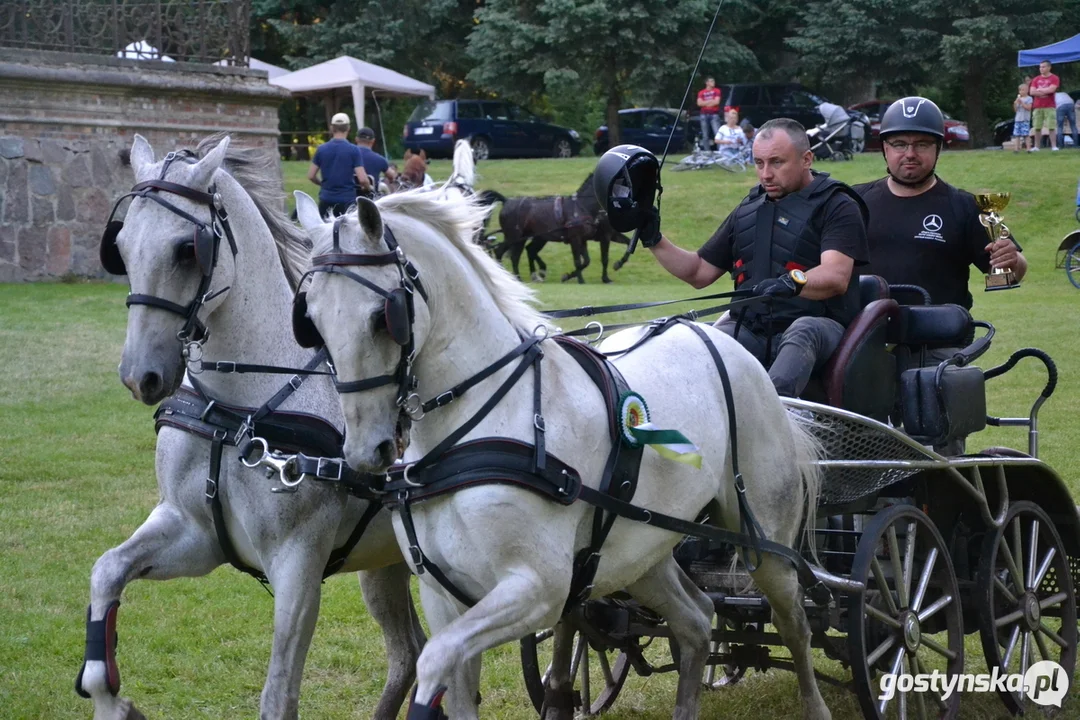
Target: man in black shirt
{"type": "Point", "coordinates": [923, 231]}
{"type": "Point", "coordinates": [796, 239]}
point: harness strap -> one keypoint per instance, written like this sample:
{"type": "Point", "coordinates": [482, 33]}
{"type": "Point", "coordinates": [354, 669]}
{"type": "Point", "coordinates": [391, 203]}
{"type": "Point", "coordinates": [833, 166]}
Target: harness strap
{"type": "Point", "coordinates": [213, 496]}
{"type": "Point", "coordinates": [445, 398]}
{"type": "Point", "coordinates": [337, 558]}
{"type": "Point", "coordinates": [420, 560]}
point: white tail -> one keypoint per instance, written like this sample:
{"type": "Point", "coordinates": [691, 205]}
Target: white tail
{"type": "Point", "coordinates": [807, 450]}
{"type": "Point", "coordinates": [464, 165]}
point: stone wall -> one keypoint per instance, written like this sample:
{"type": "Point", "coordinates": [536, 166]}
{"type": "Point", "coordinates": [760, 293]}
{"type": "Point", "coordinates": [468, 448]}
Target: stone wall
{"type": "Point", "coordinates": [66, 124]}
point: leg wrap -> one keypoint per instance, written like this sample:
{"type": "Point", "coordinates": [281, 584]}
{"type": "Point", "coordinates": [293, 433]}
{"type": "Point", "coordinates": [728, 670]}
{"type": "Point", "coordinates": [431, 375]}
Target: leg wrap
{"type": "Point", "coordinates": [430, 711]}
{"type": "Point", "coordinates": [101, 645]}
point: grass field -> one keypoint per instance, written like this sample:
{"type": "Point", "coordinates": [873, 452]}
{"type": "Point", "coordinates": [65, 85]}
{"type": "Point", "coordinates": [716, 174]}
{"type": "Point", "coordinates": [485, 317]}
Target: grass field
{"type": "Point", "coordinates": [76, 473]}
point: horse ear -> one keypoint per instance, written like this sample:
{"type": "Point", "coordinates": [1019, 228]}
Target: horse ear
{"type": "Point", "coordinates": [142, 155]}
{"type": "Point", "coordinates": [370, 219]}
{"type": "Point", "coordinates": [408, 154]}
{"type": "Point", "coordinates": [307, 211]}
{"type": "Point", "coordinates": [423, 155]}
{"type": "Point", "coordinates": [205, 168]}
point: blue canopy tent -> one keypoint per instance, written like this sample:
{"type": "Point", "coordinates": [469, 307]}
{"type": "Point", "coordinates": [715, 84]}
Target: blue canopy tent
{"type": "Point", "coordinates": [1059, 52]}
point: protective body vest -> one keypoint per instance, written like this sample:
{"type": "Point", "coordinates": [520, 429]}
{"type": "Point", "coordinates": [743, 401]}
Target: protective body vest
{"type": "Point", "coordinates": [771, 237]}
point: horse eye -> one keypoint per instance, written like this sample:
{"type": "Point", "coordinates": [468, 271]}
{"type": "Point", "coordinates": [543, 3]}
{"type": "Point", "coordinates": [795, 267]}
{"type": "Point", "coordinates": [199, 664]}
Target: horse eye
{"type": "Point", "coordinates": [185, 252]}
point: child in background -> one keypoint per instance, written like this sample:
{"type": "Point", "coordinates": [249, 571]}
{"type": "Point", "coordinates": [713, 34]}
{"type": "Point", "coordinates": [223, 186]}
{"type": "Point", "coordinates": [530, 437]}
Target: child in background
{"type": "Point", "coordinates": [1022, 122]}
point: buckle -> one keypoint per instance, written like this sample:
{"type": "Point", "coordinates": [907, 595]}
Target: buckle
{"type": "Point", "coordinates": [295, 382]}
{"type": "Point", "coordinates": [450, 397]}
{"type": "Point", "coordinates": [538, 422]}
{"type": "Point", "coordinates": [206, 411]}
{"type": "Point", "coordinates": [411, 272]}
{"type": "Point", "coordinates": [328, 462]}
{"type": "Point", "coordinates": [244, 429]}
{"type": "Point", "coordinates": [222, 364]}
{"type": "Point", "coordinates": [211, 488]}
{"type": "Point", "coordinates": [417, 556]}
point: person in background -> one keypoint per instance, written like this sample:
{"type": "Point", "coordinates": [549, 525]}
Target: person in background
{"type": "Point", "coordinates": [1022, 120]}
{"type": "Point", "coordinates": [708, 100]}
{"type": "Point", "coordinates": [1066, 110]}
{"type": "Point", "coordinates": [340, 164]}
{"type": "Point", "coordinates": [374, 163]}
{"type": "Point", "coordinates": [1044, 112]}
{"type": "Point", "coordinates": [730, 138]}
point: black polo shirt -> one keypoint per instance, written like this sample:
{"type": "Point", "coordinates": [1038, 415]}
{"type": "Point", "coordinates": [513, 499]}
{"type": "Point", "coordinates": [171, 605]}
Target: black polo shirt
{"type": "Point", "coordinates": [930, 240]}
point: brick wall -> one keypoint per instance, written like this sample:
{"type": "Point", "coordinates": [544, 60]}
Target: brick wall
{"type": "Point", "coordinates": [66, 124]}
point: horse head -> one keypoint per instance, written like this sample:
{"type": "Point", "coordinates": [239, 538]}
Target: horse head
{"type": "Point", "coordinates": [361, 283]}
{"type": "Point", "coordinates": [415, 169]}
{"type": "Point", "coordinates": [170, 247]}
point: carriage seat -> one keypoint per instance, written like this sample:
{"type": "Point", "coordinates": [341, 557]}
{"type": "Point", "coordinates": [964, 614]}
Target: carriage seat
{"type": "Point", "coordinates": [937, 408]}
{"type": "Point", "coordinates": [861, 374]}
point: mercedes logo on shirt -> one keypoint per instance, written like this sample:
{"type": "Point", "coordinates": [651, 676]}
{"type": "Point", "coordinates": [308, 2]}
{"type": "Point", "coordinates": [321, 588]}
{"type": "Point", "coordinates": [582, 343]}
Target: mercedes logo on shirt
{"type": "Point", "coordinates": [932, 223]}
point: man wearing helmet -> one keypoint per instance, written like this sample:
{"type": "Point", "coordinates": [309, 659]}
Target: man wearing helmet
{"type": "Point", "coordinates": [795, 239]}
{"type": "Point", "coordinates": [923, 231]}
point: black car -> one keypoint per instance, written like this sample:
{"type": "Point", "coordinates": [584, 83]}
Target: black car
{"type": "Point", "coordinates": [494, 127]}
{"type": "Point", "coordinates": [649, 128]}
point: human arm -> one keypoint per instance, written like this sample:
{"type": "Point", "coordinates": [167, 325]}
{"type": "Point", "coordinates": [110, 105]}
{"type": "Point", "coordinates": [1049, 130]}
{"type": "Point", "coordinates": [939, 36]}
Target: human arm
{"type": "Point", "coordinates": [1004, 254]}
{"type": "Point", "coordinates": [830, 278]}
{"type": "Point", "coordinates": [362, 177]}
{"type": "Point", "coordinates": [690, 267]}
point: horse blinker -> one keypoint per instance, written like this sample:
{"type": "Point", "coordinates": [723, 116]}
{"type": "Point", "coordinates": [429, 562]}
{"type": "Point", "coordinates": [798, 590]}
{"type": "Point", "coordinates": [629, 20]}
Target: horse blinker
{"type": "Point", "coordinates": [396, 310]}
{"type": "Point", "coordinates": [109, 253]}
{"type": "Point", "coordinates": [304, 330]}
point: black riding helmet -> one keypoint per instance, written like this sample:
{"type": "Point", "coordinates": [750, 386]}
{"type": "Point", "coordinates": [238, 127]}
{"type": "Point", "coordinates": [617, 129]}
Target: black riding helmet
{"type": "Point", "coordinates": [913, 114]}
{"type": "Point", "coordinates": [626, 182]}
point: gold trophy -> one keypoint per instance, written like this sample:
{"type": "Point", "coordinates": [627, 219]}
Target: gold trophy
{"type": "Point", "coordinates": [991, 204]}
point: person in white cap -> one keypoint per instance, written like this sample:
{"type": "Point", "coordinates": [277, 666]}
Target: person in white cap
{"type": "Point", "coordinates": [339, 162]}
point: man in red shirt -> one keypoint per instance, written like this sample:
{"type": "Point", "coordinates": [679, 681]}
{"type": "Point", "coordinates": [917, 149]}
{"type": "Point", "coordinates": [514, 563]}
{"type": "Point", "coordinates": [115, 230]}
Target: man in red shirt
{"type": "Point", "coordinates": [1044, 113]}
{"type": "Point", "coordinates": [709, 102]}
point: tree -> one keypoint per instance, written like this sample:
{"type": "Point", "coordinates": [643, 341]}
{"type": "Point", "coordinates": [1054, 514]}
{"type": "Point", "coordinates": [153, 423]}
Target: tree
{"type": "Point", "coordinates": [906, 42]}
{"type": "Point", "coordinates": [595, 48]}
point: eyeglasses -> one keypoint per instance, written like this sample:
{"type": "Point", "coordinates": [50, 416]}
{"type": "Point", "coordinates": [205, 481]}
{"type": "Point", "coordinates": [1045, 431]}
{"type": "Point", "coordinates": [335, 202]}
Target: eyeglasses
{"type": "Point", "coordinates": [922, 146]}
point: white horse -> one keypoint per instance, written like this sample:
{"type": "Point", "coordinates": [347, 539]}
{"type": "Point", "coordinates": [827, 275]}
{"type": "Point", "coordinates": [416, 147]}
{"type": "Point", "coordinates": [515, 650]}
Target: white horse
{"type": "Point", "coordinates": [286, 536]}
{"type": "Point", "coordinates": [512, 550]}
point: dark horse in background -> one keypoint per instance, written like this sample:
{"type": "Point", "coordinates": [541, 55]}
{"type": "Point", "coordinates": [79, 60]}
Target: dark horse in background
{"type": "Point", "coordinates": [529, 223]}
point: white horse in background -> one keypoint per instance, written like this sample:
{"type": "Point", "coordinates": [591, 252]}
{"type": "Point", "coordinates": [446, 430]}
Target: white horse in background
{"type": "Point", "coordinates": [510, 549]}
{"type": "Point", "coordinates": [286, 536]}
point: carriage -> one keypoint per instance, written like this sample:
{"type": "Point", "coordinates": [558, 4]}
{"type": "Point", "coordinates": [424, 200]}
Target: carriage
{"type": "Point", "coordinates": [919, 548]}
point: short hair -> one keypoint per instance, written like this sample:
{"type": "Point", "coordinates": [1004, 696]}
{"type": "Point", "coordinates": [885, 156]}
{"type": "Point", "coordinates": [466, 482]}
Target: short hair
{"type": "Point", "coordinates": [1044, 60]}
{"type": "Point", "coordinates": [340, 127]}
{"type": "Point", "coordinates": [793, 129]}
{"type": "Point", "coordinates": [709, 77]}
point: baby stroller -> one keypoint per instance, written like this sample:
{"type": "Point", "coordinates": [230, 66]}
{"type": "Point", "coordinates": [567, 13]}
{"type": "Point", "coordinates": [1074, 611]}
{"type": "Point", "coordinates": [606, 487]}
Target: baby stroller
{"type": "Point", "coordinates": [840, 137]}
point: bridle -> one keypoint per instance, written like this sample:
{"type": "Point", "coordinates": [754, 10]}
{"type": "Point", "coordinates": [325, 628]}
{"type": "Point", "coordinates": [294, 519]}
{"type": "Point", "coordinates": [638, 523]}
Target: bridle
{"type": "Point", "coordinates": [398, 311]}
{"type": "Point", "coordinates": [206, 245]}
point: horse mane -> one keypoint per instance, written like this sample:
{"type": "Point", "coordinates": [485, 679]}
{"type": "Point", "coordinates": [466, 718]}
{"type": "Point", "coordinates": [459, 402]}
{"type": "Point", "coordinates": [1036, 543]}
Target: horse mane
{"type": "Point", "coordinates": [586, 187]}
{"type": "Point", "coordinates": [259, 172]}
{"type": "Point", "coordinates": [457, 219]}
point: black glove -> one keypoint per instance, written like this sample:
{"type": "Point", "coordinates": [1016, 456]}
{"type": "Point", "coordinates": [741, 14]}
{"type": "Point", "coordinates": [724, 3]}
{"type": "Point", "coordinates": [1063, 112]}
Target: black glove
{"type": "Point", "coordinates": [649, 228]}
{"type": "Point", "coordinates": [782, 287]}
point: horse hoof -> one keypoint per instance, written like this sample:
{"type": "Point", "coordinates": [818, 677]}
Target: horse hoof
{"type": "Point", "coordinates": [607, 280]}
{"type": "Point", "coordinates": [542, 274]}
{"type": "Point", "coordinates": [617, 266]}
{"type": "Point", "coordinates": [566, 277]}
{"type": "Point", "coordinates": [580, 280]}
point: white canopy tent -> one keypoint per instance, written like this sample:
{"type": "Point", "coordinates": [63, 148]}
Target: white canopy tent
{"type": "Point", "coordinates": [334, 76]}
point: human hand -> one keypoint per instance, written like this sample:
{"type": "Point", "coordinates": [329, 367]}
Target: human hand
{"type": "Point", "coordinates": [1003, 254]}
{"type": "Point", "coordinates": [649, 229]}
{"type": "Point", "coordinates": [782, 287]}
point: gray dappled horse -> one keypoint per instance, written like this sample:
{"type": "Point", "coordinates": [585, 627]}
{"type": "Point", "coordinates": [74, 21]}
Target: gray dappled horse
{"type": "Point", "coordinates": [243, 283]}
{"type": "Point", "coordinates": [508, 549]}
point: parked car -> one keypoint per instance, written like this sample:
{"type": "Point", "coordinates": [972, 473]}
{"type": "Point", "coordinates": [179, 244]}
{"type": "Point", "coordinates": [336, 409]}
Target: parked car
{"type": "Point", "coordinates": [495, 128]}
{"type": "Point", "coordinates": [649, 128]}
{"type": "Point", "coordinates": [956, 131]}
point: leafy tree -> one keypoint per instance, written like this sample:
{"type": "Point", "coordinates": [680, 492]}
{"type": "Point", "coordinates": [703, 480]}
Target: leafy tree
{"type": "Point", "coordinates": [594, 48]}
{"type": "Point", "coordinates": [902, 43]}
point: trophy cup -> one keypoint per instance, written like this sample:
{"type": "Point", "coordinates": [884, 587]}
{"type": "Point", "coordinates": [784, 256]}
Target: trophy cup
{"type": "Point", "coordinates": [991, 204]}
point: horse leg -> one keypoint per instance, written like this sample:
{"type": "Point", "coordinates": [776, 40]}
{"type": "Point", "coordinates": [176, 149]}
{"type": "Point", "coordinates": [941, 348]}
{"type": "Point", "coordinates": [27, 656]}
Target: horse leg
{"type": "Point", "coordinates": [296, 575]}
{"type": "Point", "coordinates": [605, 246]}
{"type": "Point", "coordinates": [559, 702]}
{"type": "Point", "coordinates": [777, 580]}
{"type": "Point", "coordinates": [386, 594]}
{"type": "Point", "coordinates": [517, 605]}
{"type": "Point", "coordinates": [582, 252]}
{"type": "Point", "coordinates": [464, 687]}
{"type": "Point", "coordinates": [688, 611]}
{"type": "Point", "coordinates": [535, 246]}
{"type": "Point", "coordinates": [167, 545]}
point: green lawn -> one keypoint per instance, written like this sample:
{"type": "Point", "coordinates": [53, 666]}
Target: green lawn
{"type": "Point", "coordinates": [76, 472]}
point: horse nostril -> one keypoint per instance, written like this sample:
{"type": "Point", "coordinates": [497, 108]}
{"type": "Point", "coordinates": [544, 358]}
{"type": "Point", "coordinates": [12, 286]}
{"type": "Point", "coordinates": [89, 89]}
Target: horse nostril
{"type": "Point", "coordinates": [150, 385]}
{"type": "Point", "coordinates": [387, 451]}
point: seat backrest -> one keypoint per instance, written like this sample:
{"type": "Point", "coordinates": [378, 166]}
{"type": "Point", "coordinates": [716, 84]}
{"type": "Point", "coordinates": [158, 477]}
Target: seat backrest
{"type": "Point", "coordinates": [861, 375]}
{"type": "Point", "coordinates": [932, 326]}
{"type": "Point", "coordinates": [871, 288]}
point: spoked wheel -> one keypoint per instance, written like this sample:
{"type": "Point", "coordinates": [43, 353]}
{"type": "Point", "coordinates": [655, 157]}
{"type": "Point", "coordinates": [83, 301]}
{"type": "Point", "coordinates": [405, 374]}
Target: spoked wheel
{"type": "Point", "coordinates": [481, 148]}
{"type": "Point", "coordinates": [598, 674]}
{"type": "Point", "coordinates": [563, 149]}
{"type": "Point", "coordinates": [909, 619]}
{"type": "Point", "coordinates": [1028, 610]}
{"type": "Point", "coordinates": [1072, 265]}
{"type": "Point", "coordinates": [689, 162]}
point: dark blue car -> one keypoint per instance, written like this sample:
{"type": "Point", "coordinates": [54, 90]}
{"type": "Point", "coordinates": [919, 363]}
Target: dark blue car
{"type": "Point", "coordinates": [495, 128]}
{"type": "Point", "coordinates": [647, 127]}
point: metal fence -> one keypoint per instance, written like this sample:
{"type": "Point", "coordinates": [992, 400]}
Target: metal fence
{"type": "Point", "coordinates": [201, 31]}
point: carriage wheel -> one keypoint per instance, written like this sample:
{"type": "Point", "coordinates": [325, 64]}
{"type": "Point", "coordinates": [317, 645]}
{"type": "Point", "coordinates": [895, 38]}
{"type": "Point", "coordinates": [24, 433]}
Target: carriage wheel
{"type": "Point", "coordinates": [598, 675]}
{"type": "Point", "coordinates": [1072, 265]}
{"type": "Point", "coordinates": [911, 594]}
{"type": "Point", "coordinates": [1028, 610]}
